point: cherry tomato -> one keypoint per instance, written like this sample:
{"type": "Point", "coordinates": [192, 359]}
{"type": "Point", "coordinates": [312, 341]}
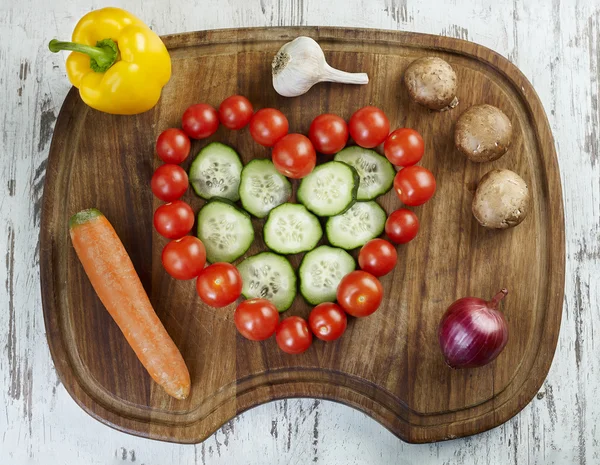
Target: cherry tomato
{"type": "Point", "coordinates": [184, 258]}
{"type": "Point", "coordinates": [414, 185]}
{"type": "Point", "coordinates": [369, 127]}
{"type": "Point", "coordinates": [327, 321]}
{"type": "Point", "coordinates": [200, 121]}
{"type": "Point", "coordinates": [294, 156]}
{"type": "Point", "coordinates": [404, 147]}
{"type": "Point", "coordinates": [169, 182]}
{"type": "Point", "coordinates": [267, 126]}
{"type": "Point", "coordinates": [293, 335]}
{"type": "Point", "coordinates": [174, 220]}
{"type": "Point", "coordinates": [256, 319]}
{"type": "Point", "coordinates": [402, 226]}
{"type": "Point", "coordinates": [359, 293]}
{"type": "Point", "coordinates": [328, 133]}
{"type": "Point", "coordinates": [377, 257]}
{"type": "Point", "coordinates": [219, 284]}
{"type": "Point", "coordinates": [235, 112]}
{"type": "Point", "coordinates": [173, 146]}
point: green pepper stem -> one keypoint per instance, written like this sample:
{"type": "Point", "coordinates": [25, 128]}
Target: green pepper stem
{"type": "Point", "coordinates": [102, 56]}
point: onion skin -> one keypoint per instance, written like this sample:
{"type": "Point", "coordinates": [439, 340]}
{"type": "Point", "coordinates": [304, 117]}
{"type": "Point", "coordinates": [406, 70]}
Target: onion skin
{"type": "Point", "coordinates": [473, 332]}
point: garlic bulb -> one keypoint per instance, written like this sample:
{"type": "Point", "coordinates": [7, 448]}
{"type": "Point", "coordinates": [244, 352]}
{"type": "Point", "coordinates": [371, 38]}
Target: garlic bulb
{"type": "Point", "coordinates": [300, 64]}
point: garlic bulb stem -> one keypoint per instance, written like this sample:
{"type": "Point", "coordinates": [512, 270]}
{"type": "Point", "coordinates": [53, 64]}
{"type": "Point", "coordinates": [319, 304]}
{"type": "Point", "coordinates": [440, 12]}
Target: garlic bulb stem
{"type": "Point", "coordinates": [300, 64]}
{"type": "Point", "coordinates": [330, 74]}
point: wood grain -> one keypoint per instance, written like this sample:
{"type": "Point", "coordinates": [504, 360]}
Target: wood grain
{"type": "Point", "coordinates": [418, 398]}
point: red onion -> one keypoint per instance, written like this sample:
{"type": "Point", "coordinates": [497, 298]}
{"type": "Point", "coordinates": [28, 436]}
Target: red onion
{"type": "Point", "coordinates": [473, 332]}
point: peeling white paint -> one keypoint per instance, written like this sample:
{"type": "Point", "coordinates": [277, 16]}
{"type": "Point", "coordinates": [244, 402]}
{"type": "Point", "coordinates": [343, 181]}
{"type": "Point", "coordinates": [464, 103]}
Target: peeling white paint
{"type": "Point", "coordinates": [554, 43]}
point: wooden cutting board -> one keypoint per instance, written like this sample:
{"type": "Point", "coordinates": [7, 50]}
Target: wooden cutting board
{"type": "Point", "coordinates": [387, 365]}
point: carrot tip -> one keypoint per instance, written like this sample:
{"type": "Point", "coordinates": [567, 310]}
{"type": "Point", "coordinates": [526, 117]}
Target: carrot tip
{"type": "Point", "coordinates": [180, 393]}
{"type": "Point", "coordinates": [84, 216]}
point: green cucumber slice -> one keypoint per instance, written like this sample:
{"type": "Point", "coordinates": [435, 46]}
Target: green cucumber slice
{"type": "Point", "coordinates": [291, 228]}
{"type": "Point", "coordinates": [225, 230]}
{"type": "Point", "coordinates": [269, 276]}
{"type": "Point", "coordinates": [361, 223]}
{"type": "Point", "coordinates": [215, 172]}
{"type": "Point", "coordinates": [263, 188]}
{"type": "Point", "coordinates": [330, 189]}
{"type": "Point", "coordinates": [375, 171]}
{"type": "Point", "coordinates": [321, 271]}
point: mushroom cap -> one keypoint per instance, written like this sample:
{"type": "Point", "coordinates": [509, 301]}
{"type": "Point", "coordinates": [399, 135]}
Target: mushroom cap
{"type": "Point", "coordinates": [501, 200]}
{"type": "Point", "coordinates": [483, 133]}
{"type": "Point", "coordinates": [431, 82]}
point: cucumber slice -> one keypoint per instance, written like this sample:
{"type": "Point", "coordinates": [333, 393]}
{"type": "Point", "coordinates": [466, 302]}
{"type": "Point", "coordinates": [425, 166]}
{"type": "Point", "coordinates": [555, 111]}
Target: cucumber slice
{"type": "Point", "coordinates": [269, 276]}
{"type": "Point", "coordinates": [225, 230]}
{"type": "Point", "coordinates": [375, 171]}
{"type": "Point", "coordinates": [330, 189]}
{"type": "Point", "coordinates": [262, 188]}
{"type": "Point", "coordinates": [321, 271]}
{"type": "Point", "coordinates": [291, 228]}
{"type": "Point", "coordinates": [361, 223]}
{"type": "Point", "coordinates": [215, 172]}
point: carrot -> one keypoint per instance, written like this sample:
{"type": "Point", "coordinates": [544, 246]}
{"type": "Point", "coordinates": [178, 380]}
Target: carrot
{"type": "Point", "coordinates": [118, 286]}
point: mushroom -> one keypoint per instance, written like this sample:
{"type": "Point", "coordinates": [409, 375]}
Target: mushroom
{"type": "Point", "coordinates": [483, 133]}
{"type": "Point", "coordinates": [431, 82]}
{"type": "Point", "coordinates": [501, 200]}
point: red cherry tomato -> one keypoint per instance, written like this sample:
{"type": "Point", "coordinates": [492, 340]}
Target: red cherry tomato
{"type": "Point", "coordinates": [219, 284]}
{"type": "Point", "coordinates": [174, 220]}
{"type": "Point", "coordinates": [293, 335]}
{"type": "Point", "coordinates": [184, 258]}
{"type": "Point", "coordinates": [377, 257]}
{"type": "Point", "coordinates": [267, 126]}
{"type": "Point", "coordinates": [294, 156]}
{"type": "Point", "coordinates": [256, 319]}
{"type": "Point", "coordinates": [328, 133]}
{"type": "Point", "coordinates": [402, 226]}
{"type": "Point", "coordinates": [173, 146]}
{"type": "Point", "coordinates": [414, 185]}
{"type": "Point", "coordinates": [359, 293]}
{"type": "Point", "coordinates": [369, 127]}
{"type": "Point", "coordinates": [404, 147]}
{"type": "Point", "coordinates": [327, 321]}
{"type": "Point", "coordinates": [200, 121]}
{"type": "Point", "coordinates": [169, 182]}
{"type": "Point", "coordinates": [235, 112]}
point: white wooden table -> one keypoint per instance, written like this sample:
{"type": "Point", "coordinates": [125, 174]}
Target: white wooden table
{"type": "Point", "coordinates": [555, 43]}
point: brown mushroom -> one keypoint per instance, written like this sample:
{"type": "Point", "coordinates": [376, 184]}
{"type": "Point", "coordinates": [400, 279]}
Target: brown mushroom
{"type": "Point", "coordinates": [483, 133]}
{"type": "Point", "coordinates": [431, 82]}
{"type": "Point", "coordinates": [501, 200]}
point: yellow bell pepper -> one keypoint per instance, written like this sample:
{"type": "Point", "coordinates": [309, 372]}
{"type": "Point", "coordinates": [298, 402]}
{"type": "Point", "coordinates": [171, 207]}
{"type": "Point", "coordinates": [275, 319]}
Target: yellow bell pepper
{"type": "Point", "coordinates": [118, 63]}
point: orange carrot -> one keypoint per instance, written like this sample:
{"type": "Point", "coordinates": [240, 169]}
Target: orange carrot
{"type": "Point", "coordinates": [116, 282]}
